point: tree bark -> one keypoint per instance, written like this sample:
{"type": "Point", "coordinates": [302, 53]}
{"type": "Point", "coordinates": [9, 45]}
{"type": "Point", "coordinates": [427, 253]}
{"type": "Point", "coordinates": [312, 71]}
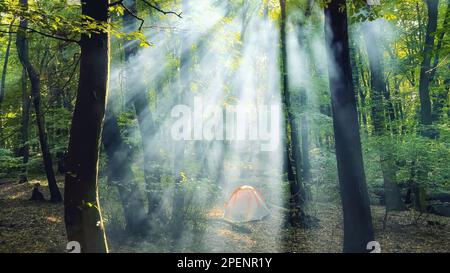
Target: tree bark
{"type": "Point", "coordinates": [298, 194]}
{"type": "Point", "coordinates": [5, 66]}
{"type": "Point", "coordinates": [3, 79]}
{"type": "Point", "coordinates": [442, 96]}
{"type": "Point", "coordinates": [82, 210]}
{"type": "Point", "coordinates": [25, 147]}
{"type": "Point", "coordinates": [303, 94]}
{"type": "Point", "coordinates": [424, 80]}
{"type": "Point", "coordinates": [358, 230]}
{"type": "Point", "coordinates": [419, 189]}
{"type": "Point", "coordinates": [23, 53]}
{"type": "Point", "coordinates": [304, 123]}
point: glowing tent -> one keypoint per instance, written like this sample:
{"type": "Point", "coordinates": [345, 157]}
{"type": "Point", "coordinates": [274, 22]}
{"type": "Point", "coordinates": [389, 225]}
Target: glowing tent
{"type": "Point", "coordinates": [245, 204]}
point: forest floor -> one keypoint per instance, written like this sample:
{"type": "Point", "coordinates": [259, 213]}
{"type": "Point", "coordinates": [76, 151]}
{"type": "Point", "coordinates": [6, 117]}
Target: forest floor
{"type": "Point", "coordinates": [27, 226]}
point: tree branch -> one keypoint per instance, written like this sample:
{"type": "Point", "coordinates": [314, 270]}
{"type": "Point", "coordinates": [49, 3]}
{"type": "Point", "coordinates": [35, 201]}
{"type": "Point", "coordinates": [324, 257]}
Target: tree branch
{"type": "Point", "coordinates": [161, 10]}
{"type": "Point", "coordinates": [31, 30]}
{"type": "Point", "coordinates": [134, 15]}
{"type": "Point", "coordinates": [153, 6]}
{"type": "Point", "coordinates": [72, 74]}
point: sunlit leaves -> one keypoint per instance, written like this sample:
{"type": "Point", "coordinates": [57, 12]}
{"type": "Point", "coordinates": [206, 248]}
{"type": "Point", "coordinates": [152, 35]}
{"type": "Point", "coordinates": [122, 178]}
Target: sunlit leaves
{"type": "Point", "coordinates": [58, 19]}
{"type": "Point", "coordinates": [117, 9]}
{"type": "Point", "coordinates": [183, 177]}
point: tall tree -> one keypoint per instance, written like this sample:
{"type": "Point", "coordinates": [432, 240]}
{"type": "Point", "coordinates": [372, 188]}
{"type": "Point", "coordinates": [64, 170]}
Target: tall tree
{"type": "Point", "coordinates": [4, 71]}
{"type": "Point", "coordinates": [33, 75]}
{"type": "Point", "coordinates": [392, 194]}
{"type": "Point", "coordinates": [147, 124]}
{"type": "Point", "coordinates": [358, 230]}
{"type": "Point", "coordinates": [299, 195]}
{"type": "Point", "coordinates": [442, 95]}
{"type": "Point", "coordinates": [120, 154]}
{"type": "Point", "coordinates": [25, 128]}
{"type": "Point", "coordinates": [82, 210]}
{"type": "Point", "coordinates": [426, 120]}
{"type": "Point", "coordinates": [121, 175]}
{"type": "Point", "coordinates": [303, 94]}
{"type": "Point", "coordinates": [424, 80]}
{"type": "Point", "coordinates": [293, 151]}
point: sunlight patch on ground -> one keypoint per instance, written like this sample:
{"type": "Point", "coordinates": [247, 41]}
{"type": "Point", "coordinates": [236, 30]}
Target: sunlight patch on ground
{"type": "Point", "coordinates": [54, 219]}
{"type": "Point", "coordinates": [215, 212]}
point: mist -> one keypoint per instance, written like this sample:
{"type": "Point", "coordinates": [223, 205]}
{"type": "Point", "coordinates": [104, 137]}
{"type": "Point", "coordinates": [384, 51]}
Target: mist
{"type": "Point", "coordinates": [217, 118]}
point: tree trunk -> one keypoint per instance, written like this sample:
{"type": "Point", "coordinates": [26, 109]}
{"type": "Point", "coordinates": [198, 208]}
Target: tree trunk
{"type": "Point", "coordinates": [3, 79]}
{"type": "Point", "coordinates": [82, 211]}
{"type": "Point", "coordinates": [121, 175]}
{"type": "Point", "coordinates": [147, 124]}
{"type": "Point", "coordinates": [358, 229]}
{"type": "Point", "coordinates": [424, 80]}
{"type": "Point", "coordinates": [303, 94]}
{"type": "Point", "coordinates": [25, 147]}
{"type": "Point", "coordinates": [389, 110]}
{"type": "Point", "coordinates": [442, 96]}
{"type": "Point", "coordinates": [5, 66]}
{"type": "Point", "coordinates": [23, 53]}
{"type": "Point", "coordinates": [293, 151]}
{"type": "Point", "coordinates": [425, 101]}
{"type": "Point", "coordinates": [305, 138]}
{"type": "Point", "coordinates": [377, 80]}
{"type": "Point", "coordinates": [399, 107]}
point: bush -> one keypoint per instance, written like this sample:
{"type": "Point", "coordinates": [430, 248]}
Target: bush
{"type": "Point", "coordinates": [9, 164]}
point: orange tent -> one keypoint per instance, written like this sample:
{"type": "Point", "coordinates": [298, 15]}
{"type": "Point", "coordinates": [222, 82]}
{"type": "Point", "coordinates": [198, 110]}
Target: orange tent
{"type": "Point", "coordinates": [245, 204]}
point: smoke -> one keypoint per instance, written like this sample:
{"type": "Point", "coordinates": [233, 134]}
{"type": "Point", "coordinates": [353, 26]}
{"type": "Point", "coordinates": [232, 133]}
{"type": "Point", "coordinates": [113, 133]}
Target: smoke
{"type": "Point", "coordinates": [226, 59]}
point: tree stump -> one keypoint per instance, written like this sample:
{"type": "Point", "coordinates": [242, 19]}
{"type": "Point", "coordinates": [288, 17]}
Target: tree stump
{"type": "Point", "coordinates": [37, 195]}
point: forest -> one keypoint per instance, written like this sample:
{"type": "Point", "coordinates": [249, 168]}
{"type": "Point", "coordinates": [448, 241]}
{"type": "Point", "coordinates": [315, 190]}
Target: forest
{"type": "Point", "coordinates": [241, 126]}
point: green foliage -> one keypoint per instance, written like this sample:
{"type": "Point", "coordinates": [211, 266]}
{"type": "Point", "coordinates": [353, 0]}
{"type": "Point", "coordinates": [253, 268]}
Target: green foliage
{"type": "Point", "coordinates": [325, 185]}
{"type": "Point", "coordinates": [112, 209]}
{"type": "Point", "coordinates": [412, 155]}
{"type": "Point", "coordinates": [417, 154]}
{"type": "Point", "coordinates": [58, 20]}
{"type": "Point", "coordinates": [9, 163]}
{"type": "Point", "coordinates": [199, 195]}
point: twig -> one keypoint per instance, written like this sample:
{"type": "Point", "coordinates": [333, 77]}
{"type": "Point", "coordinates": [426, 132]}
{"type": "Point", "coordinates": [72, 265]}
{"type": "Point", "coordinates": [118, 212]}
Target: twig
{"type": "Point", "coordinates": [438, 65]}
{"type": "Point", "coordinates": [31, 30]}
{"type": "Point", "coordinates": [161, 10]}
{"type": "Point", "coordinates": [72, 74]}
{"type": "Point", "coordinates": [134, 15]}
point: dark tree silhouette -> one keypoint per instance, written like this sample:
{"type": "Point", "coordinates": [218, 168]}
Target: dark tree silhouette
{"type": "Point", "coordinates": [358, 229]}
{"type": "Point", "coordinates": [82, 211]}
{"type": "Point", "coordinates": [23, 52]}
{"type": "Point", "coordinates": [424, 80]}
{"type": "Point", "coordinates": [294, 168]}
